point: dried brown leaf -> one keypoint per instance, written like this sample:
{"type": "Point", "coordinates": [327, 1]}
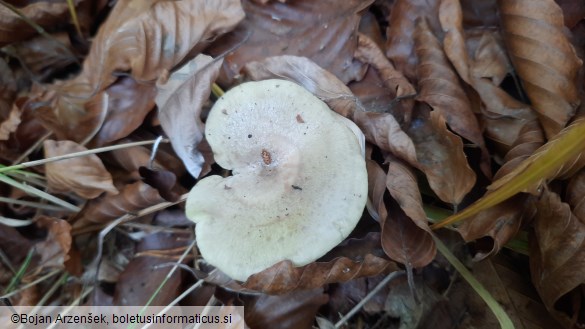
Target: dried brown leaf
{"type": "Point", "coordinates": [403, 187]}
{"type": "Point", "coordinates": [55, 248]}
{"type": "Point", "coordinates": [383, 130]}
{"type": "Point", "coordinates": [28, 132]}
{"type": "Point", "coordinates": [143, 275]}
{"type": "Point", "coordinates": [47, 14]}
{"type": "Point", "coordinates": [440, 88]}
{"type": "Point", "coordinates": [86, 176]}
{"type": "Point", "coordinates": [162, 180]}
{"type": "Point", "coordinates": [451, 19]}
{"type": "Point", "coordinates": [308, 74]}
{"type": "Point", "coordinates": [487, 56]}
{"type": "Point", "coordinates": [132, 197]}
{"type": "Point", "coordinates": [400, 43]}
{"type": "Point", "coordinates": [502, 222]}
{"type": "Point", "coordinates": [153, 43]}
{"type": "Point", "coordinates": [295, 310]}
{"type": "Point", "coordinates": [44, 56]}
{"type": "Point", "coordinates": [544, 59]}
{"type": "Point", "coordinates": [369, 52]}
{"type": "Point", "coordinates": [180, 100]}
{"type": "Point", "coordinates": [153, 39]}
{"type": "Point", "coordinates": [129, 102]}
{"type": "Point", "coordinates": [11, 123]}
{"type": "Point", "coordinates": [440, 156]}
{"type": "Point", "coordinates": [373, 94]}
{"type": "Point", "coordinates": [323, 31]}
{"type": "Point", "coordinates": [557, 256]}
{"type": "Point", "coordinates": [505, 278]}
{"type": "Point", "coordinates": [283, 277]}
{"type": "Point", "coordinates": [404, 239]}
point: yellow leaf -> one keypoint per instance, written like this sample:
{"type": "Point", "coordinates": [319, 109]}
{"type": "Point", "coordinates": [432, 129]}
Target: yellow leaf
{"type": "Point", "coordinates": [546, 163]}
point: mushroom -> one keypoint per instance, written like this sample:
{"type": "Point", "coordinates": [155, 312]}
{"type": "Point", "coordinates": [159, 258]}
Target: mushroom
{"type": "Point", "coordinates": [298, 186]}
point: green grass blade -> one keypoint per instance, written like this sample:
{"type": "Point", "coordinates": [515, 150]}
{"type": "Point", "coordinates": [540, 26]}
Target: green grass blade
{"type": "Point", "coordinates": [41, 194]}
{"type": "Point", "coordinates": [495, 307]}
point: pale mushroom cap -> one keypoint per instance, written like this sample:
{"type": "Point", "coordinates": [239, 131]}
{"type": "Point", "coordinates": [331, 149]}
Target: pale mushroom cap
{"type": "Point", "coordinates": [299, 183]}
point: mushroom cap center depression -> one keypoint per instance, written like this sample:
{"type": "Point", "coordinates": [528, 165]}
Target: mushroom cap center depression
{"type": "Point", "coordinates": [299, 182]}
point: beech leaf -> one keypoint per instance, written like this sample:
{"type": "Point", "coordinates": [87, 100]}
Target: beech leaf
{"type": "Point", "coordinates": [284, 277]}
{"type": "Point", "coordinates": [86, 176]}
{"type": "Point", "coordinates": [155, 36]}
{"type": "Point", "coordinates": [308, 74]}
{"type": "Point", "coordinates": [440, 88]}
{"type": "Point", "coordinates": [549, 161]}
{"type": "Point", "coordinates": [132, 197]}
{"type": "Point", "coordinates": [440, 156]}
{"type": "Point", "coordinates": [544, 59]}
{"type": "Point", "coordinates": [323, 31]}
{"type": "Point", "coordinates": [557, 254]}
{"type": "Point", "coordinates": [180, 100]}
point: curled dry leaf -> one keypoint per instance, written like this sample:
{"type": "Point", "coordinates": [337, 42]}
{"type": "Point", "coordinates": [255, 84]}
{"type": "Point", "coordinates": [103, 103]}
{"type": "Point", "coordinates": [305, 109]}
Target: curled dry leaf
{"type": "Point", "coordinates": [11, 123]}
{"type": "Point", "coordinates": [154, 42]}
{"type": "Point", "coordinates": [383, 130]}
{"type": "Point", "coordinates": [148, 59]}
{"type": "Point", "coordinates": [501, 223]}
{"type": "Point", "coordinates": [308, 74]}
{"type": "Point", "coordinates": [451, 19]}
{"type": "Point", "coordinates": [162, 180]}
{"type": "Point", "coordinates": [369, 52]}
{"type": "Point", "coordinates": [503, 116]}
{"type": "Point", "coordinates": [403, 187]}
{"type": "Point", "coordinates": [180, 100]}
{"type": "Point", "coordinates": [86, 176]}
{"type": "Point", "coordinates": [406, 236]}
{"type": "Point", "coordinates": [44, 56]}
{"type": "Point", "coordinates": [295, 310]}
{"type": "Point", "coordinates": [129, 102]}
{"type": "Point", "coordinates": [400, 44]}
{"type": "Point", "coordinates": [44, 13]}
{"type": "Point", "coordinates": [557, 157]}
{"type": "Point", "coordinates": [133, 197]}
{"type": "Point", "coordinates": [428, 146]}
{"type": "Point", "coordinates": [55, 248]}
{"type": "Point", "coordinates": [487, 56]}
{"type": "Point", "coordinates": [440, 156]}
{"type": "Point", "coordinates": [373, 94]}
{"type": "Point", "coordinates": [544, 59]}
{"type": "Point", "coordinates": [284, 277]}
{"type": "Point", "coordinates": [28, 132]}
{"type": "Point", "coordinates": [440, 88]}
{"type": "Point", "coordinates": [324, 31]}
{"type": "Point", "coordinates": [557, 256]}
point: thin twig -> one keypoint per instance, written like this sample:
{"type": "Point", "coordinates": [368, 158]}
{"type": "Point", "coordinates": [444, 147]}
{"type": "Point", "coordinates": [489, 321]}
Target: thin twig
{"type": "Point", "coordinates": [369, 296]}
